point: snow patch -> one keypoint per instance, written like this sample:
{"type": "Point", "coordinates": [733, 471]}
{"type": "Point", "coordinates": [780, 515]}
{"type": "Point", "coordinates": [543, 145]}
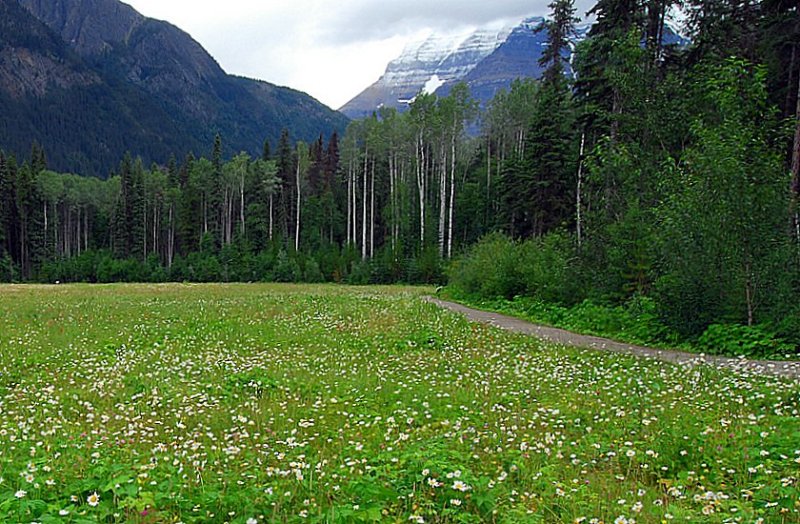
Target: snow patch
{"type": "Point", "coordinates": [432, 85]}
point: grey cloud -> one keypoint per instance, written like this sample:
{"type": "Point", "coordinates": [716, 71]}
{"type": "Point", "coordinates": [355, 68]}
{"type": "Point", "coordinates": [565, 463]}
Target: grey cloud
{"type": "Point", "coordinates": [364, 20]}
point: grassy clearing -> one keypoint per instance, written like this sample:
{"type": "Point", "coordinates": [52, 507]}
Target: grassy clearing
{"type": "Point", "coordinates": [267, 403]}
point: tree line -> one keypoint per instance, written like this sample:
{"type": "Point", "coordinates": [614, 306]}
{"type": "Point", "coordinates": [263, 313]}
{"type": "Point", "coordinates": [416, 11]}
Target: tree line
{"type": "Point", "coordinates": [663, 172]}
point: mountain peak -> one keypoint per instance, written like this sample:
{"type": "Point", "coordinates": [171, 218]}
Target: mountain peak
{"type": "Point", "coordinates": [488, 59]}
{"type": "Point", "coordinates": [91, 79]}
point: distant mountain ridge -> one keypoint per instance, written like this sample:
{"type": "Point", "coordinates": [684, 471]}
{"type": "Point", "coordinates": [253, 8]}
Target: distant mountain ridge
{"type": "Point", "coordinates": [486, 59]}
{"type": "Point", "coordinates": [91, 79]}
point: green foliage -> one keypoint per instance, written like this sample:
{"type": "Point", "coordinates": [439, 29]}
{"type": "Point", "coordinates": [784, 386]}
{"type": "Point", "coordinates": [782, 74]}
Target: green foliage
{"type": "Point", "coordinates": [298, 403]}
{"type": "Point", "coordinates": [542, 269]}
{"type": "Point", "coordinates": [287, 269]}
{"type": "Point", "coordinates": [747, 341]}
{"type": "Point", "coordinates": [723, 223]}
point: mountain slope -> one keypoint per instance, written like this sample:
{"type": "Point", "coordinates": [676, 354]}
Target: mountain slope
{"type": "Point", "coordinates": [431, 63]}
{"type": "Point", "coordinates": [99, 79]}
{"type": "Point", "coordinates": [498, 58]}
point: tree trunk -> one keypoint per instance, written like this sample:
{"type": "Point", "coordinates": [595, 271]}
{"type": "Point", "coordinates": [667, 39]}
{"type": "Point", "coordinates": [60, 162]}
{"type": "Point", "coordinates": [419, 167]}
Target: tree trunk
{"type": "Point", "coordinates": [85, 229]}
{"type": "Point", "coordinates": [392, 198]}
{"type": "Point", "coordinates": [749, 292]}
{"type": "Point", "coordinates": [578, 204]}
{"type": "Point", "coordinates": [452, 195]}
{"type": "Point", "coordinates": [421, 187]}
{"type": "Point", "coordinates": [349, 201]}
{"type": "Point", "coordinates": [241, 205]}
{"type": "Point", "coordinates": [372, 212]}
{"type": "Point", "coordinates": [364, 207]}
{"type": "Point", "coordinates": [171, 238]}
{"type": "Point", "coordinates": [795, 188]}
{"type": "Point", "coordinates": [442, 200]}
{"type": "Point", "coordinates": [297, 215]}
{"type": "Point", "coordinates": [270, 215]}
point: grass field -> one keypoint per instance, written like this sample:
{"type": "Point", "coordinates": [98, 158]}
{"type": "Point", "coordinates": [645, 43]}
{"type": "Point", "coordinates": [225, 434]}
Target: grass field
{"type": "Point", "coordinates": [268, 403]}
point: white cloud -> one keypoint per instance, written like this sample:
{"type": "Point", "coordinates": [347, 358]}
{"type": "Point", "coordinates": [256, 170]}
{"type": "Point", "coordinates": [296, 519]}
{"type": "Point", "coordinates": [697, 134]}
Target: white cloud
{"type": "Point", "coordinates": [331, 50]}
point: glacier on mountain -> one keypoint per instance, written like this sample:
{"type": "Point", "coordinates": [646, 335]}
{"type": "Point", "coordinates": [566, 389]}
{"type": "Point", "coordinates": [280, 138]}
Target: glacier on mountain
{"type": "Point", "coordinates": [487, 59]}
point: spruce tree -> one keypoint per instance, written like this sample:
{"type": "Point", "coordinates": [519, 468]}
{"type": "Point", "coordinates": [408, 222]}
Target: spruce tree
{"type": "Point", "coordinates": [549, 149]}
{"type": "Point", "coordinates": [5, 206]}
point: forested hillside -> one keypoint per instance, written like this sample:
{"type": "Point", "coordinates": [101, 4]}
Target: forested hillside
{"type": "Point", "coordinates": [91, 79]}
{"type": "Point", "coordinates": [661, 182]}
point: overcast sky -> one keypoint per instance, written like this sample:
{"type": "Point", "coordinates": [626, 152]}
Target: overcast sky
{"type": "Point", "coordinates": [331, 50]}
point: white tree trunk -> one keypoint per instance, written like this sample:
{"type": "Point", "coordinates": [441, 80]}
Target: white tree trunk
{"type": "Point", "coordinates": [372, 212]}
{"type": "Point", "coordinates": [364, 208]}
{"type": "Point", "coordinates": [241, 205]}
{"type": "Point", "coordinates": [442, 200]}
{"type": "Point", "coordinates": [421, 178]}
{"type": "Point", "coordinates": [270, 215]}
{"type": "Point", "coordinates": [452, 197]}
{"type": "Point", "coordinates": [578, 196]}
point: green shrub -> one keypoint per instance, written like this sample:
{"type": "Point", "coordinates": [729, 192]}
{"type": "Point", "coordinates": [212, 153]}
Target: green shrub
{"type": "Point", "coordinates": [287, 269]}
{"type": "Point", "coordinates": [312, 272]}
{"type": "Point", "coordinates": [749, 341]}
{"type": "Point", "coordinates": [488, 270]}
{"type": "Point", "coordinates": [546, 269]}
{"type": "Point", "coordinates": [7, 270]}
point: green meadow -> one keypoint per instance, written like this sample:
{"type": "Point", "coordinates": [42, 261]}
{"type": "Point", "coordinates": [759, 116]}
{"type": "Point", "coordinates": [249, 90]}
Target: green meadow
{"type": "Point", "coordinates": [281, 403]}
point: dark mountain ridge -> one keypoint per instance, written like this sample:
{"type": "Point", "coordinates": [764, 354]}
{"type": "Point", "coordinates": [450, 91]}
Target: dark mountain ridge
{"type": "Point", "coordinates": [91, 79]}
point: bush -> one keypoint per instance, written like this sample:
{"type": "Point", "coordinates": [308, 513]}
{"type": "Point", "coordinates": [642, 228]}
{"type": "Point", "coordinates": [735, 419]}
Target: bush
{"type": "Point", "coordinates": [749, 341]}
{"type": "Point", "coordinates": [287, 269]}
{"type": "Point", "coordinates": [312, 273]}
{"type": "Point", "coordinates": [547, 269]}
{"type": "Point", "coordinates": [543, 269]}
{"type": "Point", "coordinates": [788, 329]}
{"type": "Point", "coordinates": [488, 270]}
{"type": "Point", "coordinates": [360, 273]}
{"type": "Point", "coordinates": [7, 271]}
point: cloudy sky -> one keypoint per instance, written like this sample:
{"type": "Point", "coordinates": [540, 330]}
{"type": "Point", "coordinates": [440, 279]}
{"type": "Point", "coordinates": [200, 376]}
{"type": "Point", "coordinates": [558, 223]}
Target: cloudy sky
{"type": "Point", "coordinates": [332, 50]}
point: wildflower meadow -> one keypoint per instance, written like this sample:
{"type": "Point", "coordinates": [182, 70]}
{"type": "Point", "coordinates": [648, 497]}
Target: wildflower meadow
{"type": "Point", "coordinates": [278, 403]}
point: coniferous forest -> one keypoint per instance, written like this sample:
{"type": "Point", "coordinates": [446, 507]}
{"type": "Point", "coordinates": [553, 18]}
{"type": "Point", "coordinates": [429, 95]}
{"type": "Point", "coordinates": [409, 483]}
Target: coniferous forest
{"type": "Point", "coordinates": [633, 180]}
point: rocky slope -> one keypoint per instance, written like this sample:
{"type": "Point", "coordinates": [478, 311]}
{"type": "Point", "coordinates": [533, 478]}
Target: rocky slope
{"type": "Point", "coordinates": [90, 79]}
{"type": "Point", "coordinates": [487, 60]}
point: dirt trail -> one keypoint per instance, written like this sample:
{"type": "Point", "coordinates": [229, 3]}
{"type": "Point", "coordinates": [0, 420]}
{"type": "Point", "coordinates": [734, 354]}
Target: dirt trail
{"type": "Point", "coordinates": [788, 369]}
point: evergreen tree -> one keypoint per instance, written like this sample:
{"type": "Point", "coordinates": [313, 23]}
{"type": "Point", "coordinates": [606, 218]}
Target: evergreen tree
{"type": "Point", "coordinates": [6, 202]}
{"type": "Point", "coordinates": [266, 152]}
{"type": "Point", "coordinates": [560, 26]}
{"type": "Point", "coordinates": [723, 28]}
{"type": "Point", "coordinates": [285, 162]}
{"type": "Point", "coordinates": [599, 56]}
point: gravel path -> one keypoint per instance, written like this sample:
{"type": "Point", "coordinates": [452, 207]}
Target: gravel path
{"type": "Point", "coordinates": [788, 369]}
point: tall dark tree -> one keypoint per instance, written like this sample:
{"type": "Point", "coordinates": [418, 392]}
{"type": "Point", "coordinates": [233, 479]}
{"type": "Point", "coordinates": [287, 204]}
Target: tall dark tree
{"type": "Point", "coordinates": [30, 225]}
{"type": "Point", "coordinates": [598, 57]}
{"type": "Point", "coordinates": [216, 203]}
{"type": "Point", "coordinates": [723, 28]}
{"type": "Point", "coordinates": [266, 151]}
{"type": "Point", "coordinates": [560, 27]}
{"type": "Point", "coordinates": [550, 145]}
{"type": "Point", "coordinates": [7, 207]}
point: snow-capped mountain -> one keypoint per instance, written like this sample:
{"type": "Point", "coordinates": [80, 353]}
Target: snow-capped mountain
{"type": "Point", "coordinates": [427, 65]}
{"type": "Point", "coordinates": [486, 59]}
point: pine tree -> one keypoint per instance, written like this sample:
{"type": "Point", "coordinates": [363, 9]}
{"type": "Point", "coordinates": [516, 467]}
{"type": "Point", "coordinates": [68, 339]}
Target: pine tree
{"type": "Point", "coordinates": [549, 148]}
{"type": "Point", "coordinates": [285, 188]}
{"type": "Point", "coordinates": [599, 56]}
{"type": "Point", "coordinates": [6, 201]}
{"type": "Point", "coordinates": [724, 28]}
{"type": "Point", "coordinates": [266, 152]}
{"type": "Point", "coordinates": [559, 27]}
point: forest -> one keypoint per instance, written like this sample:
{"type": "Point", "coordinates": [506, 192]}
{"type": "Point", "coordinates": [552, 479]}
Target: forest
{"type": "Point", "coordinates": [636, 177]}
